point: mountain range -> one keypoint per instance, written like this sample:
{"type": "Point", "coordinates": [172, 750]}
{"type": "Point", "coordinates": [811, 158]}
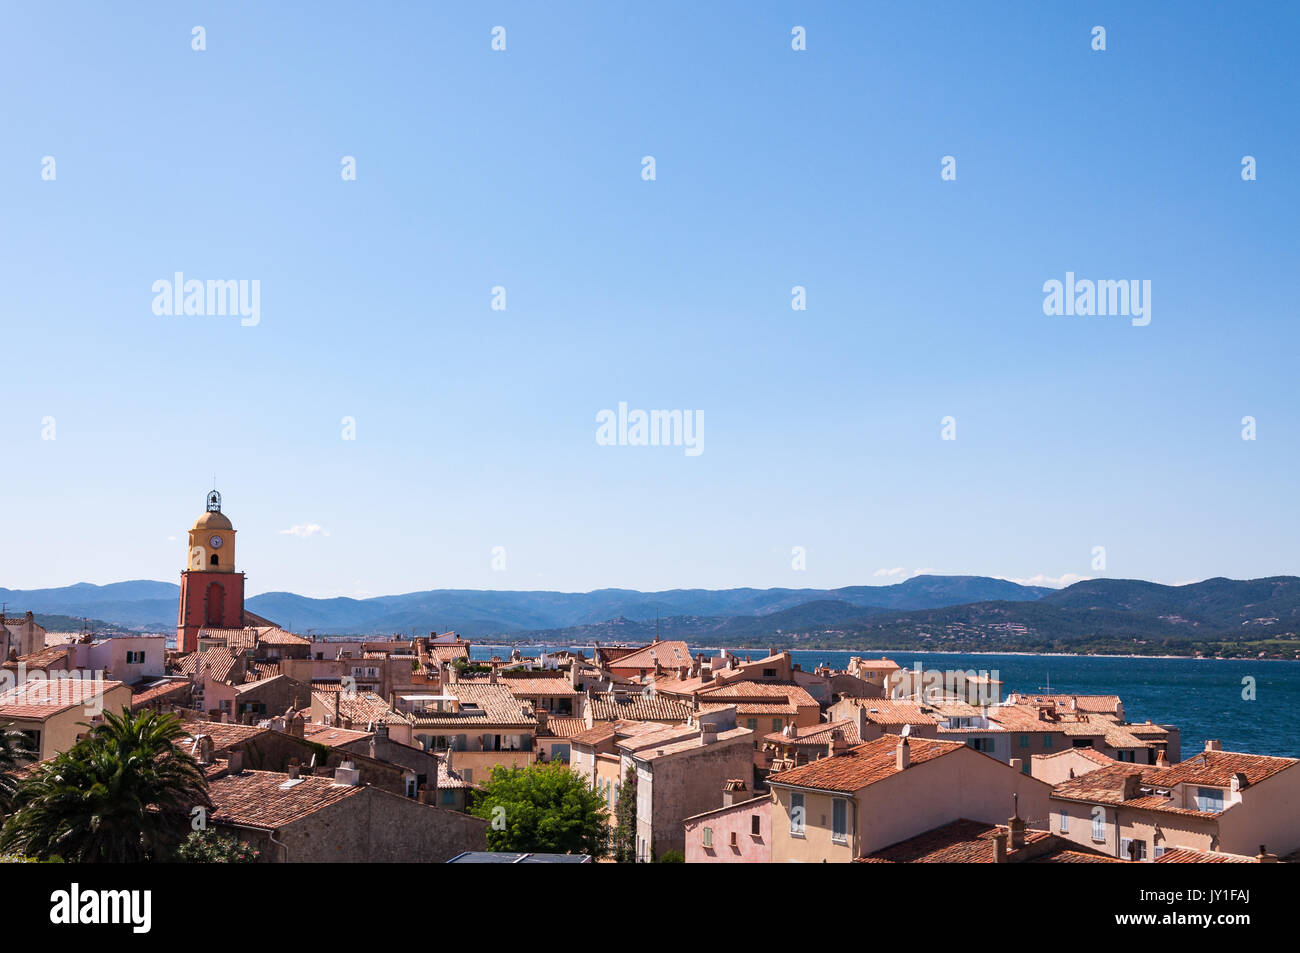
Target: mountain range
{"type": "Point", "coordinates": [1257, 617]}
{"type": "Point", "coordinates": [477, 613]}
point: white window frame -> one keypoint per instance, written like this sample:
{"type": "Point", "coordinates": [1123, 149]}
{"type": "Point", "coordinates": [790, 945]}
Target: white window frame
{"type": "Point", "coordinates": [841, 836]}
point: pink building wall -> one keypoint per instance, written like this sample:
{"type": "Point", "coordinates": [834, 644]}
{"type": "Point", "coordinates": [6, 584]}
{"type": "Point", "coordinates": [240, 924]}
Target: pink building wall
{"type": "Point", "coordinates": [749, 848]}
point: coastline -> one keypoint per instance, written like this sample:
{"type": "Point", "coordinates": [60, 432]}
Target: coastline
{"type": "Point", "coordinates": [760, 652]}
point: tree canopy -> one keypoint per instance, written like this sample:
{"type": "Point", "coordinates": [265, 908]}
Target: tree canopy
{"type": "Point", "coordinates": [542, 808]}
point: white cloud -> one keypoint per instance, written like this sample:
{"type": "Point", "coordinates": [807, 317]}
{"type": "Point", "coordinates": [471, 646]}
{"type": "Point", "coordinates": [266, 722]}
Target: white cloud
{"type": "Point", "coordinates": [897, 571]}
{"type": "Point", "coordinates": [305, 530]}
{"type": "Point", "coordinates": [926, 572]}
{"type": "Point", "coordinates": [1054, 582]}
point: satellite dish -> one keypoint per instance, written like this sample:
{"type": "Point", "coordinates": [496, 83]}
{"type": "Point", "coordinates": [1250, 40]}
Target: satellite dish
{"type": "Point", "coordinates": [907, 730]}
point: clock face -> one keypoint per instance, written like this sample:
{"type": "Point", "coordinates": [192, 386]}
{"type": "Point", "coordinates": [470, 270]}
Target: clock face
{"type": "Point", "coordinates": [215, 542]}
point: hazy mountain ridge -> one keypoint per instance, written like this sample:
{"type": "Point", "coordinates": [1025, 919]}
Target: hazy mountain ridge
{"type": "Point", "coordinates": [958, 613]}
{"type": "Point", "coordinates": [489, 612]}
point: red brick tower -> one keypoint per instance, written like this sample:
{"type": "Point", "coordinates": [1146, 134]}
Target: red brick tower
{"type": "Point", "coordinates": [212, 593]}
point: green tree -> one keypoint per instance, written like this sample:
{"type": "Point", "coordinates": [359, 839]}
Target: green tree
{"type": "Point", "coordinates": [209, 847]}
{"type": "Point", "coordinates": [625, 816]}
{"type": "Point", "coordinates": [122, 794]}
{"type": "Point", "coordinates": [542, 808]}
{"type": "Point", "coordinates": [15, 751]}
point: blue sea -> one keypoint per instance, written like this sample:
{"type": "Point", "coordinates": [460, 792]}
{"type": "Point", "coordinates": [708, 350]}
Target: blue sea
{"type": "Point", "coordinates": [1203, 697]}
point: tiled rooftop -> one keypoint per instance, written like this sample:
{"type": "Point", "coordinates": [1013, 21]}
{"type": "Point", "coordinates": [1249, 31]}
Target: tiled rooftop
{"type": "Point", "coordinates": [863, 765]}
{"type": "Point", "coordinates": [268, 800]}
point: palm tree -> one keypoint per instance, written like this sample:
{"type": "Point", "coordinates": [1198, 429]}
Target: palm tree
{"type": "Point", "coordinates": [122, 794]}
{"type": "Point", "coordinates": [15, 751]}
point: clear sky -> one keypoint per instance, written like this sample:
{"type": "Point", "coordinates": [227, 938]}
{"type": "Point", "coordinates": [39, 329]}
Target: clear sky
{"type": "Point", "coordinates": [476, 428]}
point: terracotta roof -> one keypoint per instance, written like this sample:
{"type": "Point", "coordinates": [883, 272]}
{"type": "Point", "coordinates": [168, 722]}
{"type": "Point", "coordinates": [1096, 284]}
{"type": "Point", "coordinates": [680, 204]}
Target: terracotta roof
{"type": "Point", "coordinates": [1106, 704]}
{"type": "Point", "coordinates": [331, 736]}
{"type": "Point", "coordinates": [1218, 768]}
{"type": "Point", "coordinates": [1185, 855]}
{"type": "Point", "coordinates": [565, 726]}
{"type": "Point", "coordinates": [888, 711]}
{"type": "Point", "coordinates": [244, 637]}
{"type": "Point", "coordinates": [39, 699]}
{"type": "Point", "coordinates": [215, 663]}
{"type": "Point", "coordinates": [278, 636]}
{"type": "Point", "coordinates": [359, 708]}
{"type": "Point", "coordinates": [1114, 734]}
{"type": "Point", "coordinates": [262, 670]}
{"type": "Point", "coordinates": [616, 707]}
{"type": "Point", "coordinates": [759, 692]}
{"type": "Point", "coordinates": [960, 842]}
{"type": "Point", "coordinates": [597, 734]}
{"type": "Point", "coordinates": [449, 653]}
{"type": "Point", "coordinates": [818, 734]}
{"type": "Point", "coordinates": [224, 735]}
{"type": "Point", "coordinates": [530, 686]}
{"type": "Point", "coordinates": [268, 800]}
{"type": "Point", "coordinates": [494, 705]}
{"type": "Point", "coordinates": [1088, 753]}
{"type": "Point", "coordinates": [667, 654]}
{"type": "Point", "coordinates": [452, 780]}
{"type": "Point", "coordinates": [41, 659]}
{"type": "Point", "coordinates": [755, 708]}
{"type": "Point", "coordinates": [863, 765]}
{"type": "Point", "coordinates": [148, 691]}
{"type": "Point", "coordinates": [1106, 786]}
{"type": "Point", "coordinates": [1074, 856]}
{"type": "Point", "coordinates": [674, 739]}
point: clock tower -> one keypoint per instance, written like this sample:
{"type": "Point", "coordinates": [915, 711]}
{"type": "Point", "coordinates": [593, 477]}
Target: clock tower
{"type": "Point", "coordinates": [212, 592]}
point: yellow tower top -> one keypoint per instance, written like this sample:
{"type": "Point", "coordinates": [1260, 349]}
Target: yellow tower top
{"type": "Point", "coordinates": [212, 540]}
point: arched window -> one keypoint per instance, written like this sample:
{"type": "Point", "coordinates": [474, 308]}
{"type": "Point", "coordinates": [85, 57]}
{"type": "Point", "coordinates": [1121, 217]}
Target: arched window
{"type": "Point", "coordinates": [213, 561]}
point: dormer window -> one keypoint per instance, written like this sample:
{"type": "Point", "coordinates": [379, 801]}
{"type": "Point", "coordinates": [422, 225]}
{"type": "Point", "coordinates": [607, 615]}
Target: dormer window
{"type": "Point", "coordinates": [1209, 799]}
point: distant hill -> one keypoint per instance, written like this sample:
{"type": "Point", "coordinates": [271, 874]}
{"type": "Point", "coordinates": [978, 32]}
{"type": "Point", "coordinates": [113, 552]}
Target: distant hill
{"type": "Point", "coordinates": [1215, 617]}
{"type": "Point", "coordinates": [955, 613]}
{"type": "Point", "coordinates": [478, 613]}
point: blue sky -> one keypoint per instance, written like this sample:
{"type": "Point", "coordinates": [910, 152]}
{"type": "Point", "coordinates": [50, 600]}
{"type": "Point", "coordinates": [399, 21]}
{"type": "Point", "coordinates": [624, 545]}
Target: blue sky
{"type": "Point", "coordinates": [475, 428]}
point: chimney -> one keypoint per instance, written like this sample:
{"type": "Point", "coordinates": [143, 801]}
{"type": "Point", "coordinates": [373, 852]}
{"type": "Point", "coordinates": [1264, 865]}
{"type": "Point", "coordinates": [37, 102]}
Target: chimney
{"type": "Point", "coordinates": [337, 698]}
{"type": "Point", "coordinates": [492, 676]}
{"type": "Point", "coordinates": [1016, 825]}
{"type": "Point", "coordinates": [1131, 782]}
{"type": "Point", "coordinates": [708, 732]}
{"type": "Point", "coordinates": [1000, 847]}
{"type": "Point", "coordinates": [347, 775]}
{"type": "Point", "coordinates": [203, 747]}
{"type": "Point", "coordinates": [1214, 745]}
{"type": "Point", "coordinates": [1161, 760]}
{"type": "Point", "coordinates": [296, 726]}
{"type": "Point", "coordinates": [235, 762]}
{"type": "Point", "coordinates": [540, 713]}
{"type": "Point", "coordinates": [1264, 857]}
{"type": "Point", "coordinates": [904, 755]}
{"type": "Point", "coordinates": [733, 791]}
{"type": "Point", "coordinates": [295, 769]}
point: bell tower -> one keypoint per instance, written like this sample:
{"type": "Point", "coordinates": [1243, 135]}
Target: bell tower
{"type": "Point", "coordinates": [212, 592]}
